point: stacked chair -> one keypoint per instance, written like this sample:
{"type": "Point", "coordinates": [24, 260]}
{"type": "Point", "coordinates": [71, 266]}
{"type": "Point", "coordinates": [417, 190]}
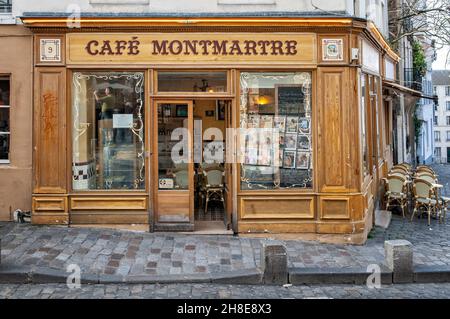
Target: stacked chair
{"type": "Point", "coordinates": [419, 187]}
{"type": "Point", "coordinates": [397, 186]}
{"type": "Point", "coordinates": [426, 194]}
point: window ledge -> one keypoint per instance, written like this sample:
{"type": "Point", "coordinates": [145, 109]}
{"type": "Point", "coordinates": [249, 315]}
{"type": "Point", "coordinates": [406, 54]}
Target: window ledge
{"type": "Point", "coordinates": [7, 18]}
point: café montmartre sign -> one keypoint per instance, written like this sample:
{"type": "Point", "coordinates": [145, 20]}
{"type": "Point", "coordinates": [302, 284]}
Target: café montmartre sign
{"type": "Point", "coordinates": [185, 48]}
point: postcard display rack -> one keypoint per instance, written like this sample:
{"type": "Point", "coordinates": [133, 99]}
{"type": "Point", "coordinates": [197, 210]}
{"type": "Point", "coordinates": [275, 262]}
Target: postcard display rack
{"type": "Point", "coordinates": [268, 163]}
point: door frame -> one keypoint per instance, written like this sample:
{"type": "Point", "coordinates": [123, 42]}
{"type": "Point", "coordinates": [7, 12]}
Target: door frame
{"type": "Point", "coordinates": [231, 213]}
{"type": "Point", "coordinates": [175, 225]}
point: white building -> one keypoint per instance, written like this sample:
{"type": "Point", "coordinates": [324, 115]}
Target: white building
{"type": "Point", "coordinates": [425, 108]}
{"type": "Point", "coordinates": [375, 10]}
{"type": "Point", "coordinates": [441, 83]}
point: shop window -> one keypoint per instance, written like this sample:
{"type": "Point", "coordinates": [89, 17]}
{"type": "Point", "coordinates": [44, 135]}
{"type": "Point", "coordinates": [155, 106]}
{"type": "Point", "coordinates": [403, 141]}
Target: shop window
{"type": "Point", "coordinates": [5, 6]}
{"type": "Point", "coordinates": [5, 130]}
{"type": "Point", "coordinates": [364, 138]}
{"type": "Point", "coordinates": [207, 82]}
{"type": "Point", "coordinates": [108, 130]}
{"type": "Point", "coordinates": [276, 131]}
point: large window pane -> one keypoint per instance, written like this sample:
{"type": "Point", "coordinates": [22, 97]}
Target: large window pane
{"type": "Point", "coordinates": [4, 91]}
{"type": "Point", "coordinates": [172, 162]}
{"type": "Point", "coordinates": [108, 130]}
{"type": "Point", "coordinates": [209, 82]}
{"type": "Point", "coordinates": [4, 119]}
{"type": "Point", "coordinates": [276, 130]}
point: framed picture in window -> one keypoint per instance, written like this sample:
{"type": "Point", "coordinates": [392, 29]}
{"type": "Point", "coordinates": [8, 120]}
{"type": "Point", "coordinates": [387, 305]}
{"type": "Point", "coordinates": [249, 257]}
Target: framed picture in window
{"type": "Point", "coordinates": [303, 142]}
{"type": "Point", "coordinates": [289, 159]}
{"type": "Point", "coordinates": [290, 141]}
{"type": "Point", "coordinates": [181, 110]}
{"type": "Point", "coordinates": [279, 122]}
{"type": "Point", "coordinates": [303, 160]}
{"type": "Point", "coordinates": [266, 121]}
{"type": "Point", "coordinates": [291, 124]}
{"type": "Point", "coordinates": [304, 125]}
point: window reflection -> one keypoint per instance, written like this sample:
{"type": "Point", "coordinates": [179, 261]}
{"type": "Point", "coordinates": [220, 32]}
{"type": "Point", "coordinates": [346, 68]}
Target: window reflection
{"type": "Point", "coordinates": [108, 130]}
{"type": "Point", "coordinates": [277, 141]}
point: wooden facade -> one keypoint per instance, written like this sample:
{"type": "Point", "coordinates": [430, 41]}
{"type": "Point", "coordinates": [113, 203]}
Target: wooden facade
{"type": "Point", "coordinates": [342, 200]}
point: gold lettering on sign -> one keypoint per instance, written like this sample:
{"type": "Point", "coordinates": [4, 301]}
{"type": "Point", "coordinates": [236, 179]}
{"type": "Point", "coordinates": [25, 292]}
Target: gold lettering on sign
{"type": "Point", "coordinates": [192, 47]}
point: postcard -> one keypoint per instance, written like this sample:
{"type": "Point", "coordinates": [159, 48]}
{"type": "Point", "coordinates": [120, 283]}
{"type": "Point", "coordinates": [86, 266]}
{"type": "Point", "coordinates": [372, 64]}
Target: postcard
{"type": "Point", "coordinates": [289, 159]}
{"type": "Point", "coordinates": [290, 141]}
{"type": "Point", "coordinates": [303, 160]}
{"type": "Point", "coordinates": [291, 124]}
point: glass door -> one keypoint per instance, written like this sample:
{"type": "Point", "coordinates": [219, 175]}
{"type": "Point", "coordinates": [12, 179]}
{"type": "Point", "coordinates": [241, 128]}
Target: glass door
{"type": "Point", "coordinates": [173, 165]}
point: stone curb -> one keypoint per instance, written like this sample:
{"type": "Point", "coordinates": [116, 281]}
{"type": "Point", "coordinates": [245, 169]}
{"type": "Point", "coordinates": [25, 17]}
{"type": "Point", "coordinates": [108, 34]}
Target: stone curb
{"type": "Point", "coordinates": [358, 276]}
{"type": "Point", "coordinates": [19, 275]}
{"type": "Point", "coordinates": [297, 276]}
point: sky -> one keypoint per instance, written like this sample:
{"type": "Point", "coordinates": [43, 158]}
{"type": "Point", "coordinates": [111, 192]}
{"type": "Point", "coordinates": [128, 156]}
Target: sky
{"type": "Point", "coordinates": [440, 64]}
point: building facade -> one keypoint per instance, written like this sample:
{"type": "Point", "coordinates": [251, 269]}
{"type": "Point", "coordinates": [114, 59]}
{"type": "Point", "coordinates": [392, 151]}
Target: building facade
{"type": "Point", "coordinates": [16, 106]}
{"type": "Point", "coordinates": [441, 85]}
{"type": "Point", "coordinates": [425, 108]}
{"type": "Point", "coordinates": [112, 89]}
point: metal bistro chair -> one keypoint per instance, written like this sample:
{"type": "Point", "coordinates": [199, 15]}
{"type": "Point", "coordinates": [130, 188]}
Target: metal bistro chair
{"type": "Point", "coordinates": [396, 192]}
{"type": "Point", "coordinates": [214, 188]}
{"type": "Point", "coordinates": [425, 197]}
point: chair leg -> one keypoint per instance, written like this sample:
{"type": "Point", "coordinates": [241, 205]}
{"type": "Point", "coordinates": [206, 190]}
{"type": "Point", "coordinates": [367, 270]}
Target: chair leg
{"type": "Point", "coordinates": [429, 216]}
{"type": "Point", "coordinates": [414, 211]}
{"type": "Point", "coordinates": [206, 203]}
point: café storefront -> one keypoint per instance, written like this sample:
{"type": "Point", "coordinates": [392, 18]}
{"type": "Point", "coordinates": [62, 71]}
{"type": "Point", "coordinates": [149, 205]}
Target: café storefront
{"type": "Point", "coordinates": [294, 106]}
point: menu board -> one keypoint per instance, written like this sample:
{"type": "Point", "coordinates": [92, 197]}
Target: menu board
{"type": "Point", "coordinates": [289, 99]}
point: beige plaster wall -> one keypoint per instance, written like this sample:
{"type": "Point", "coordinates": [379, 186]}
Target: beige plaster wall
{"type": "Point", "coordinates": [16, 177]}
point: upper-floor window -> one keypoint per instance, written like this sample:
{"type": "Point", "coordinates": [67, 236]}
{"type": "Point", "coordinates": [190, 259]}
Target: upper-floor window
{"type": "Point", "coordinates": [448, 105]}
{"type": "Point", "coordinates": [448, 135]}
{"type": "Point", "coordinates": [448, 120]}
{"type": "Point", "coordinates": [447, 90]}
{"type": "Point", "coordinates": [435, 120]}
{"type": "Point", "coordinates": [4, 119]}
{"type": "Point", "coordinates": [5, 6]}
{"type": "Point", "coordinates": [437, 152]}
{"type": "Point", "coordinates": [435, 89]}
{"type": "Point", "coordinates": [437, 136]}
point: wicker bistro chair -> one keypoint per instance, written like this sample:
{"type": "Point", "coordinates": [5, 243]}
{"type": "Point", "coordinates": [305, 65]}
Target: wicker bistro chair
{"type": "Point", "coordinates": [427, 176]}
{"type": "Point", "coordinates": [396, 192]}
{"type": "Point", "coordinates": [399, 168]}
{"type": "Point", "coordinates": [214, 189]}
{"type": "Point", "coordinates": [425, 169]}
{"type": "Point", "coordinates": [425, 197]}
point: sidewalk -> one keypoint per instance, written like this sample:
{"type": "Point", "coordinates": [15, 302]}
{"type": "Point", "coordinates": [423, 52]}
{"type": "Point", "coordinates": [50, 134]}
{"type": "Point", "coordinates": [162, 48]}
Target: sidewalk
{"type": "Point", "coordinates": [111, 252]}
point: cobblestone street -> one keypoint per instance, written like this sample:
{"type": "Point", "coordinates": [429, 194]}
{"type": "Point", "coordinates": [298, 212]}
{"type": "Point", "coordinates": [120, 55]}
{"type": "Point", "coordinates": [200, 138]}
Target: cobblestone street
{"type": "Point", "coordinates": [104, 251]}
{"type": "Point", "coordinates": [129, 253]}
{"type": "Point", "coordinates": [204, 291]}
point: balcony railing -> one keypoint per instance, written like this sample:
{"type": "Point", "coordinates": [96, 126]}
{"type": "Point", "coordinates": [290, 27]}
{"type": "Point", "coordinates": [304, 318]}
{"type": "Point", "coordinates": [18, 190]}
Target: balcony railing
{"type": "Point", "coordinates": [413, 79]}
{"type": "Point", "coordinates": [5, 6]}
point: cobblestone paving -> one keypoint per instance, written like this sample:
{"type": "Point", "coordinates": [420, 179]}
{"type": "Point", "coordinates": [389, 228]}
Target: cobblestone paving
{"type": "Point", "coordinates": [100, 251]}
{"type": "Point", "coordinates": [204, 291]}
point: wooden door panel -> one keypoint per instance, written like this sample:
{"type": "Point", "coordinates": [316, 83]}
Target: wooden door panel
{"type": "Point", "coordinates": [50, 131]}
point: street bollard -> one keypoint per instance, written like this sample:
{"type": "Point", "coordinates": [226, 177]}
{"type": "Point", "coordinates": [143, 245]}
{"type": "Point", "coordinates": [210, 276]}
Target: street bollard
{"type": "Point", "coordinates": [274, 263]}
{"type": "Point", "coordinates": [399, 259]}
